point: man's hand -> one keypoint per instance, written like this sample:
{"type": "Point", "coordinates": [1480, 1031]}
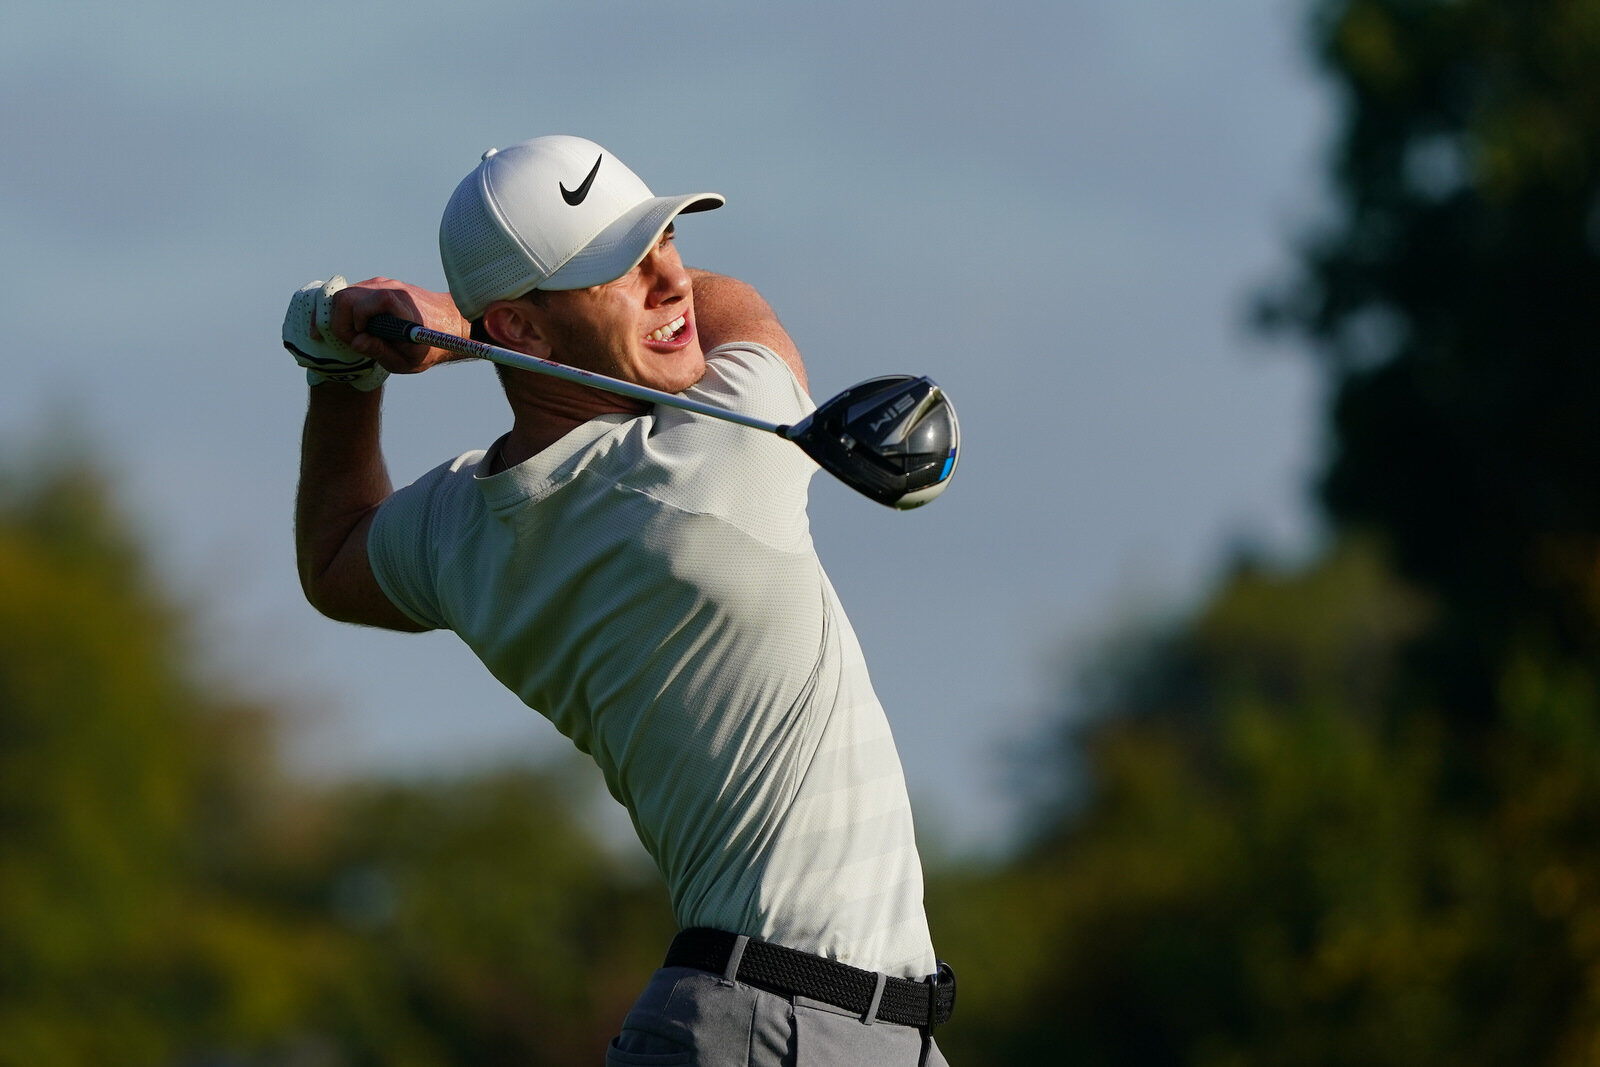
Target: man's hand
{"type": "Point", "coordinates": [308, 337]}
{"type": "Point", "coordinates": [352, 307]}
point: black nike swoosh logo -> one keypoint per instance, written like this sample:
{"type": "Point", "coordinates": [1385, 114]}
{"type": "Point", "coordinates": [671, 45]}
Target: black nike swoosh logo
{"type": "Point", "coordinates": [575, 196]}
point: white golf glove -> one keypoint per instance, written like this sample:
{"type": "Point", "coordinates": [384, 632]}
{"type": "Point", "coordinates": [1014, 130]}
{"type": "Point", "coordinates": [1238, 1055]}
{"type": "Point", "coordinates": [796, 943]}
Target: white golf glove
{"type": "Point", "coordinates": [328, 359]}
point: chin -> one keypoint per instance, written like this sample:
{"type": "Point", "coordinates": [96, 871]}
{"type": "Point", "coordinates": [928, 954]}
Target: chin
{"type": "Point", "coordinates": [683, 381]}
{"type": "Point", "coordinates": [680, 372]}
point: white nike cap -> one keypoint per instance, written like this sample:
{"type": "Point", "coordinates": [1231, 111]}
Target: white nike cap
{"type": "Point", "coordinates": [551, 213]}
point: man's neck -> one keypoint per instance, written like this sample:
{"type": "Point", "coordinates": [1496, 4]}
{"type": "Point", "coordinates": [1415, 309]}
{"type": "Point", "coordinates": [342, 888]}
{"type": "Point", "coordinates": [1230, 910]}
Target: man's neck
{"type": "Point", "coordinates": [523, 444]}
{"type": "Point", "coordinates": [544, 415]}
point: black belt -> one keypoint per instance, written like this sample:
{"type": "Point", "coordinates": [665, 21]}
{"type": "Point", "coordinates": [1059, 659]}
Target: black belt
{"type": "Point", "coordinates": [792, 973]}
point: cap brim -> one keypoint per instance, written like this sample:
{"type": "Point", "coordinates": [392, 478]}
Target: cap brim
{"type": "Point", "coordinates": [619, 247]}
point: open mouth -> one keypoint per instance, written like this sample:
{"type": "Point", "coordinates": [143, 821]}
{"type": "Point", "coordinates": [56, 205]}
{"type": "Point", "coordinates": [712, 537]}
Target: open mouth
{"type": "Point", "coordinates": [672, 331]}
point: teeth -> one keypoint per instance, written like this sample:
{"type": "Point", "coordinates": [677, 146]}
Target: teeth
{"type": "Point", "coordinates": [668, 330]}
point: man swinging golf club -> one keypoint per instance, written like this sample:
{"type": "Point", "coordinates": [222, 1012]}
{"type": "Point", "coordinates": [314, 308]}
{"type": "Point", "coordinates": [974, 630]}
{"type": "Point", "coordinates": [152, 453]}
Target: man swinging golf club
{"type": "Point", "coordinates": [644, 577]}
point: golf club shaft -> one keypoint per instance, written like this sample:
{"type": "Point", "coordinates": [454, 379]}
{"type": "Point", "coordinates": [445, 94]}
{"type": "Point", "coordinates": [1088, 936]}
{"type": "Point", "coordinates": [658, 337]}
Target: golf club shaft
{"type": "Point", "coordinates": [391, 328]}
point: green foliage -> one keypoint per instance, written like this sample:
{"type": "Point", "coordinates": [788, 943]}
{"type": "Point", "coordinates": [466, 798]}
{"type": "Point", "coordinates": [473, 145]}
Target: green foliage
{"type": "Point", "coordinates": [1240, 878]}
{"type": "Point", "coordinates": [1347, 814]}
{"type": "Point", "coordinates": [1450, 296]}
{"type": "Point", "coordinates": [92, 837]}
{"type": "Point", "coordinates": [1275, 866]}
{"type": "Point", "coordinates": [506, 933]}
{"type": "Point", "coordinates": [168, 897]}
{"type": "Point", "coordinates": [1342, 814]}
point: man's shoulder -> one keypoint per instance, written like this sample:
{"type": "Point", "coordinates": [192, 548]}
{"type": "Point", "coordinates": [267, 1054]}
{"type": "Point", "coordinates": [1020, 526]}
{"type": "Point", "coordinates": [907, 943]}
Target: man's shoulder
{"type": "Point", "coordinates": [458, 471]}
{"type": "Point", "coordinates": [450, 478]}
{"type": "Point", "coordinates": [751, 354]}
{"type": "Point", "coordinates": [753, 379]}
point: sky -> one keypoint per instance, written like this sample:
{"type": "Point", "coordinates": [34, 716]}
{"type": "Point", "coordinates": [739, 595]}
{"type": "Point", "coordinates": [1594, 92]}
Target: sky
{"type": "Point", "coordinates": [1059, 211]}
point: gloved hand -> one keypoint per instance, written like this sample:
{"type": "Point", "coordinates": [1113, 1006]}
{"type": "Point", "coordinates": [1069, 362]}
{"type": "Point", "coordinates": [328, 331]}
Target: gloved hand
{"type": "Point", "coordinates": [325, 357]}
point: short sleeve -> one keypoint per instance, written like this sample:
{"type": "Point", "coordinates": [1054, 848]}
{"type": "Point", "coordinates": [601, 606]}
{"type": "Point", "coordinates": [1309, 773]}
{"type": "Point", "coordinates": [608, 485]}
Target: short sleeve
{"type": "Point", "coordinates": [754, 379]}
{"type": "Point", "coordinates": [402, 544]}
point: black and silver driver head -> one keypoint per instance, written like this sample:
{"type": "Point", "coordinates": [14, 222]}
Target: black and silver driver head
{"type": "Point", "coordinates": [894, 439]}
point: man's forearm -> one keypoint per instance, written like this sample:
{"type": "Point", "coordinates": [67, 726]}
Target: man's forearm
{"type": "Point", "coordinates": [343, 479]}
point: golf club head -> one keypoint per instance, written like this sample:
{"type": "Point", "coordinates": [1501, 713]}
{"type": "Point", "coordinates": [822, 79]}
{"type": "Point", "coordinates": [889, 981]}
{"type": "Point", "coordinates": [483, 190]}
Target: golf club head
{"type": "Point", "coordinates": [895, 439]}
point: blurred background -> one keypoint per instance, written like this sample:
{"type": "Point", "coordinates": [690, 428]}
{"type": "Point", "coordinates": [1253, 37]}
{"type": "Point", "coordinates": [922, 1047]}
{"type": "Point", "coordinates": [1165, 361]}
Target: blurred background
{"type": "Point", "coordinates": [1247, 678]}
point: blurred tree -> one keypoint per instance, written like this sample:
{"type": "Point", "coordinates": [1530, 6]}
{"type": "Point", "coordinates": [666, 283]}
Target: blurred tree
{"type": "Point", "coordinates": [496, 929]}
{"type": "Point", "coordinates": [1347, 814]}
{"type": "Point", "coordinates": [168, 896]}
{"type": "Point", "coordinates": [115, 787]}
{"type": "Point", "coordinates": [1449, 295]}
{"type": "Point", "coordinates": [1270, 867]}
{"type": "Point", "coordinates": [1252, 876]}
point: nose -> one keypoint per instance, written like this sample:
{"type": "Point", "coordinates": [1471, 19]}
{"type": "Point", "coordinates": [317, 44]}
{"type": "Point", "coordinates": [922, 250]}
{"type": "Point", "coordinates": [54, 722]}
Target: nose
{"type": "Point", "coordinates": [668, 278]}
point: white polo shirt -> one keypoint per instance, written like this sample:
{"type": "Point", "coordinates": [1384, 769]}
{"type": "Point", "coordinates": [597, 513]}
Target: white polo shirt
{"type": "Point", "coordinates": [649, 585]}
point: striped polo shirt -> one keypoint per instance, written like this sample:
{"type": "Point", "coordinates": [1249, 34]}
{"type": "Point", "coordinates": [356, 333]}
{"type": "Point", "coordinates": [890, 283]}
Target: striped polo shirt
{"type": "Point", "coordinates": [649, 584]}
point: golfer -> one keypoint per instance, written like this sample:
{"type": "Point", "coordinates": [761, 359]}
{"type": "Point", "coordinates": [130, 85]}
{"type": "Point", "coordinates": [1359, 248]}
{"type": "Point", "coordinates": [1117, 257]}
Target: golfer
{"type": "Point", "coordinates": [645, 578]}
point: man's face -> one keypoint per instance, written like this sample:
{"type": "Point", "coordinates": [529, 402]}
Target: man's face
{"type": "Point", "coordinates": [639, 328]}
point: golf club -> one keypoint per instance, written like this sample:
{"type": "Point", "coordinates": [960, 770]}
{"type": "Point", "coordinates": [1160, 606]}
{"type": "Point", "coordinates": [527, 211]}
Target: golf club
{"type": "Point", "coordinates": [894, 439]}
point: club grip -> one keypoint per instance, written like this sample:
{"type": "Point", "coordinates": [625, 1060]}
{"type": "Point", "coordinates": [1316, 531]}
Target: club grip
{"type": "Point", "coordinates": [390, 328]}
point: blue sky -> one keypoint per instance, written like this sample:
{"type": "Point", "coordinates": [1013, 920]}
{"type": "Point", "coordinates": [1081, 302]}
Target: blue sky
{"type": "Point", "coordinates": [1059, 211]}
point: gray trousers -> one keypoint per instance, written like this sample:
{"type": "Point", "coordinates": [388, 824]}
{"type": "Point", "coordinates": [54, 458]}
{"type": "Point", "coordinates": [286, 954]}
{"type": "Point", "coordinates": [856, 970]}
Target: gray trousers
{"type": "Point", "coordinates": [688, 1017]}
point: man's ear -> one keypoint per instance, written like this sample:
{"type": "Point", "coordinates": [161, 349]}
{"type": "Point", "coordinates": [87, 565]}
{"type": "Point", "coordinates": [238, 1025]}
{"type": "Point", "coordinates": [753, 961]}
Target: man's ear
{"type": "Point", "coordinates": [512, 324]}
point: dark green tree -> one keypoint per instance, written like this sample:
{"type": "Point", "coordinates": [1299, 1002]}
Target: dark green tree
{"type": "Point", "coordinates": [168, 896]}
{"type": "Point", "coordinates": [120, 789]}
{"type": "Point", "coordinates": [1255, 875]}
{"type": "Point", "coordinates": [1346, 813]}
{"type": "Point", "coordinates": [494, 927]}
{"type": "Point", "coordinates": [1450, 300]}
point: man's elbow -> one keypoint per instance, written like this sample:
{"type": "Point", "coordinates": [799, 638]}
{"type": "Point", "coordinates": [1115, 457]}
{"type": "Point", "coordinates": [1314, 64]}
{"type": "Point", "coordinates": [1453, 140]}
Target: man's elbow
{"type": "Point", "coordinates": [322, 595]}
{"type": "Point", "coordinates": [325, 587]}
{"type": "Point", "coordinates": [359, 600]}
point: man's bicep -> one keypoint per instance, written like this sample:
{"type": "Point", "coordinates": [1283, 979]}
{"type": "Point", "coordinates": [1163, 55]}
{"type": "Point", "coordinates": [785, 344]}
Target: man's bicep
{"type": "Point", "coordinates": [348, 590]}
{"type": "Point", "coordinates": [771, 334]}
{"type": "Point", "coordinates": [728, 310]}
